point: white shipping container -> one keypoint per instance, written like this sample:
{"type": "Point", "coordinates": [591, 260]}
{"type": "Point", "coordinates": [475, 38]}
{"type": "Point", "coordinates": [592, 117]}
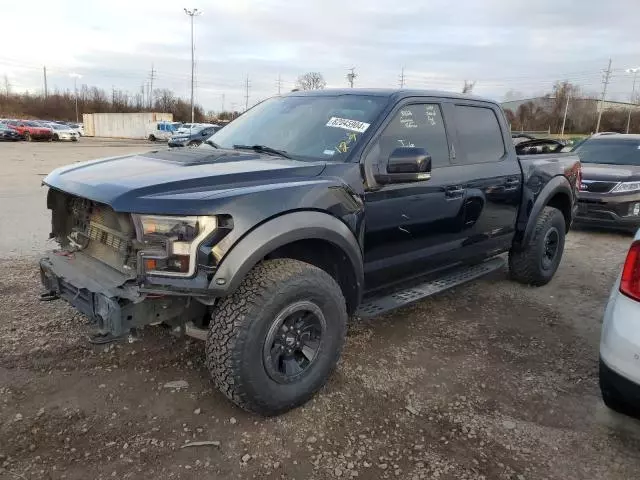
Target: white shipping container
{"type": "Point", "coordinates": [122, 125]}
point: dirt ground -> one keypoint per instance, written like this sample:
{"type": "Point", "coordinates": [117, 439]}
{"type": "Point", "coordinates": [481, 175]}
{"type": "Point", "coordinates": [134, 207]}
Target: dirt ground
{"type": "Point", "coordinates": [492, 380]}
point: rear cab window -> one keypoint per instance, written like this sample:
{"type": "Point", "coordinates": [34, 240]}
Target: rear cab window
{"type": "Point", "coordinates": [479, 134]}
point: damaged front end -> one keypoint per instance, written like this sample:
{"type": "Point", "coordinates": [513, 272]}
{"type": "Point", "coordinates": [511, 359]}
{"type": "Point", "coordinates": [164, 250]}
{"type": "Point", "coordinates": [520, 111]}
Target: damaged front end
{"type": "Point", "coordinates": [111, 266]}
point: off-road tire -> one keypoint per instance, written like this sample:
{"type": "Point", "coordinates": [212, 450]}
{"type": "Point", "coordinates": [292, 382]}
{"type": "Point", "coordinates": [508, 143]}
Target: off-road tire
{"type": "Point", "coordinates": [526, 264]}
{"type": "Point", "coordinates": [239, 328]}
{"type": "Point", "coordinates": [611, 396]}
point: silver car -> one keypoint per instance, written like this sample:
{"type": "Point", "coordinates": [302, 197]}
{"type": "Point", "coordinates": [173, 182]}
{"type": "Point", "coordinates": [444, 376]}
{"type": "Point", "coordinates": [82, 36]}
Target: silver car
{"type": "Point", "coordinates": [63, 132]}
{"type": "Point", "coordinates": [620, 339]}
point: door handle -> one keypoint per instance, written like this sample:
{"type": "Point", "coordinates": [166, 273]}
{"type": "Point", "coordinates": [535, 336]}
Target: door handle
{"type": "Point", "coordinates": [512, 182]}
{"type": "Point", "coordinates": [454, 191]}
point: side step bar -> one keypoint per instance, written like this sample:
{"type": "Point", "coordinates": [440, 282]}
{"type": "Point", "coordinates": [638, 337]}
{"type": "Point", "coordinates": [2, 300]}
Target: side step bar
{"type": "Point", "coordinates": [377, 306]}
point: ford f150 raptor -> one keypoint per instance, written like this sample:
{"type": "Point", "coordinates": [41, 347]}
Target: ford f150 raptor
{"type": "Point", "coordinates": [308, 209]}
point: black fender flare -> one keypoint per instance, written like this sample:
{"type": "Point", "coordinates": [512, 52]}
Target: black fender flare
{"type": "Point", "coordinates": [279, 231]}
{"type": "Point", "coordinates": [558, 184]}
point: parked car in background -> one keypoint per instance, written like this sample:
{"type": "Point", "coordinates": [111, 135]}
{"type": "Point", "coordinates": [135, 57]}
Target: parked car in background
{"type": "Point", "coordinates": [64, 132]}
{"type": "Point", "coordinates": [610, 187]}
{"type": "Point", "coordinates": [160, 131]}
{"type": "Point", "coordinates": [31, 130]}
{"type": "Point", "coordinates": [192, 138]}
{"type": "Point", "coordinates": [8, 134]}
{"type": "Point", "coordinates": [620, 339]}
{"type": "Point", "coordinates": [78, 127]}
{"type": "Point", "coordinates": [185, 127]}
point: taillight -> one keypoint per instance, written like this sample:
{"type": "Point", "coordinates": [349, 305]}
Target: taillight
{"type": "Point", "coordinates": [630, 282]}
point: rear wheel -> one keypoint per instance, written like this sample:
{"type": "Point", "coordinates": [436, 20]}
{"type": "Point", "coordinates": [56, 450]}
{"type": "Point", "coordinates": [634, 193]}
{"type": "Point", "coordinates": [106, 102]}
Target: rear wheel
{"type": "Point", "coordinates": [274, 342]}
{"type": "Point", "coordinates": [56, 137]}
{"type": "Point", "coordinates": [152, 138]}
{"type": "Point", "coordinates": [536, 263]}
{"type": "Point", "coordinates": [27, 136]}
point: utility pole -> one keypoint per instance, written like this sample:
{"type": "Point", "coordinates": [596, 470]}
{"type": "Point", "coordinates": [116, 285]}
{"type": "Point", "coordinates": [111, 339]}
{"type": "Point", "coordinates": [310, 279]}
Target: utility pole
{"type": "Point", "coordinates": [222, 106]}
{"type": "Point", "coordinates": [141, 105]}
{"type": "Point", "coordinates": [246, 94]}
{"type": "Point", "coordinates": [564, 118]}
{"type": "Point", "coordinates": [152, 76]}
{"type": "Point", "coordinates": [402, 78]}
{"type": "Point", "coordinates": [279, 84]}
{"type": "Point", "coordinates": [46, 91]}
{"type": "Point", "coordinates": [192, 13]}
{"type": "Point", "coordinates": [351, 76]}
{"type": "Point", "coordinates": [75, 77]}
{"type": "Point", "coordinates": [633, 92]}
{"type": "Point", "coordinates": [605, 83]}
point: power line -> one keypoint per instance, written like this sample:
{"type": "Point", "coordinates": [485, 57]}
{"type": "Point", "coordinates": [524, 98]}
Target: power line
{"type": "Point", "coordinates": [605, 84]}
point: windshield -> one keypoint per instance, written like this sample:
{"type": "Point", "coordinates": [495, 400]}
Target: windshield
{"type": "Point", "coordinates": [59, 127]}
{"type": "Point", "coordinates": [32, 124]}
{"type": "Point", "coordinates": [305, 127]}
{"type": "Point", "coordinates": [610, 151]}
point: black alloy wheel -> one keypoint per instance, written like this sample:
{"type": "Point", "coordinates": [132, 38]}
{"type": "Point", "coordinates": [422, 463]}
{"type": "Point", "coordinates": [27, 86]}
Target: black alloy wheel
{"type": "Point", "coordinates": [293, 341]}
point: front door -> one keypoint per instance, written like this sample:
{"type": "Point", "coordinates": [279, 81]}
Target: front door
{"type": "Point", "coordinates": [411, 228]}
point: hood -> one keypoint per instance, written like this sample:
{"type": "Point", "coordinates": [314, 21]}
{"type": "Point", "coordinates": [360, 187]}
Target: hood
{"type": "Point", "coordinates": [610, 173]}
{"type": "Point", "coordinates": [177, 179]}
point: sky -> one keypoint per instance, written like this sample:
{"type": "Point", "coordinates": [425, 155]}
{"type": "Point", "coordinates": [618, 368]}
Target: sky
{"type": "Point", "coordinates": [511, 48]}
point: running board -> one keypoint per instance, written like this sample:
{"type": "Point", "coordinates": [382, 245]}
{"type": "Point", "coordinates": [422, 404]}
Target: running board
{"type": "Point", "coordinates": [453, 278]}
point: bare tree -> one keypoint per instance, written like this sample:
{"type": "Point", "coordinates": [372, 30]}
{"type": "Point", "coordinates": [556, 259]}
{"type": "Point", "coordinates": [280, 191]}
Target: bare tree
{"type": "Point", "coordinates": [311, 81]}
{"type": "Point", "coordinates": [468, 86]}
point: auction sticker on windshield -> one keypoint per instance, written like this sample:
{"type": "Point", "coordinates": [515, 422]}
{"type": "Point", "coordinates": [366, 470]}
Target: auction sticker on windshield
{"type": "Point", "coordinates": [346, 124]}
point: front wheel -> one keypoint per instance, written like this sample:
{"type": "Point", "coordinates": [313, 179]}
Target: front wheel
{"type": "Point", "coordinates": [56, 137]}
{"type": "Point", "coordinates": [194, 143]}
{"type": "Point", "coordinates": [274, 342]}
{"type": "Point", "coordinates": [152, 138]}
{"type": "Point", "coordinates": [536, 263]}
{"type": "Point", "coordinates": [27, 137]}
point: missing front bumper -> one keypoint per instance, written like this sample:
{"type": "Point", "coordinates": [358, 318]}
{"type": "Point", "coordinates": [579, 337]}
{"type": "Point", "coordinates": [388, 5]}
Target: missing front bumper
{"type": "Point", "coordinates": [110, 300]}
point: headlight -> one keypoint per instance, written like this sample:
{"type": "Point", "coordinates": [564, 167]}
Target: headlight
{"type": "Point", "coordinates": [625, 187]}
{"type": "Point", "coordinates": [171, 243]}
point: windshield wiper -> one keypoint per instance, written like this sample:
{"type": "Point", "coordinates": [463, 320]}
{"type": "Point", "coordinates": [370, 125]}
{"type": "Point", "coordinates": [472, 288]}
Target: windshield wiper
{"type": "Point", "coordinates": [212, 143]}
{"type": "Point", "coordinates": [262, 149]}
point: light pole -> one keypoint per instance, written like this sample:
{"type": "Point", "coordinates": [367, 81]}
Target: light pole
{"type": "Point", "coordinates": [564, 118]}
{"type": "Point", "coordinates": [75, 77]}
{"type": "Point", "coordinates": [192, 13]}
{"type": "Point", "coordinates": [633, 91]}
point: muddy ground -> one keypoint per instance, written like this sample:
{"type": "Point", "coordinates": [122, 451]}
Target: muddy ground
{"type": "Point", "coordinates": [491, 380]}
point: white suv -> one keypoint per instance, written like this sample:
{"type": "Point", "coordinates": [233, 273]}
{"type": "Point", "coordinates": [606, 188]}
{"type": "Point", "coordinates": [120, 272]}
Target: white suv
{"type": "Point", "coordinates": [620, 340]}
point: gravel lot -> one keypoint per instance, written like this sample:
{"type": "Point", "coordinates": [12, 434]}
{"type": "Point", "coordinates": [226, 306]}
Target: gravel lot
{"type": "Point", "coordinates": [491, 380]}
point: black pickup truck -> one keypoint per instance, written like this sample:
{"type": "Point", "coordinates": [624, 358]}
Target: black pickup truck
{"type": "Point", "coordinates": [308, 209]}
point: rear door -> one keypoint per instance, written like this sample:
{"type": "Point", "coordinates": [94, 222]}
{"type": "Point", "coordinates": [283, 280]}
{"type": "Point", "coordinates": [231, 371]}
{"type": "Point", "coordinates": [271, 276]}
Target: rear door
{"type": "Point", "coordinates": [489, 172]}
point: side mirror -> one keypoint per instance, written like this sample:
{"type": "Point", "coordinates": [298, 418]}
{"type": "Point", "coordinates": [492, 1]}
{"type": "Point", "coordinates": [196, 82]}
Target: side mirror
{"type": "Point", "coordinates": [406, 164]}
